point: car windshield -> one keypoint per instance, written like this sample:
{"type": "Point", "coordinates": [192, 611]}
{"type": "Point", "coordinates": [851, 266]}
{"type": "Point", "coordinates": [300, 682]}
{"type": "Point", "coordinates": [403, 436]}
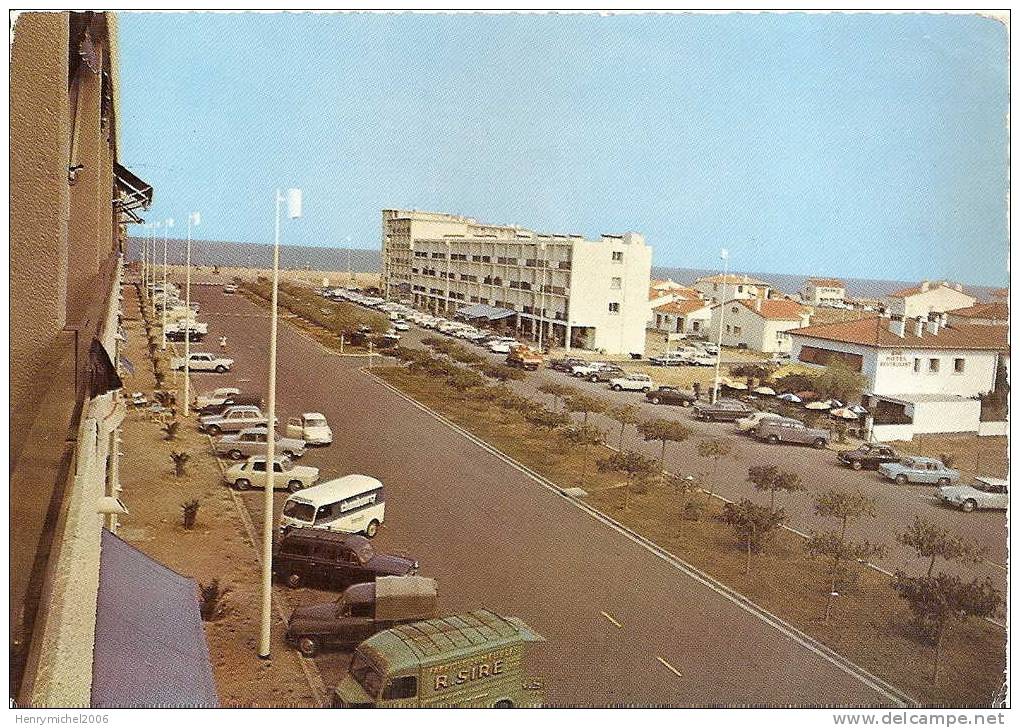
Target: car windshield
{"type": "Point", "coordinates": [299, 511]}
{"type": "Point", "coordinates": [367, 674]}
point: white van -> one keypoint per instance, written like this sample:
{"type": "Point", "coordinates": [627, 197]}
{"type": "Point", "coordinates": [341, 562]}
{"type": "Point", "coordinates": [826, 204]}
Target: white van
{"type": "Point", "coordinates": [351, 504]}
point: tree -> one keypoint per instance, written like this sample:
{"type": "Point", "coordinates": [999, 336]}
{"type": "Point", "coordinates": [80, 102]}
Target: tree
{"type": "Point", "coordinates": [586, 436]}
{"type": "Point", "coordinates": [179, 459]}
{"type": "Point", "coordinates": [546, 419]}
{"type": "Point", "coordinates": [465, 357]}
{"type": "Point", "coordinates": [585, 404]}
{"type": "Point", "coordinates": [715, 449]}
{"type": "Point", "coordinates": [942, 600]}
{"type": "Point", "coordinates": [753, 524]}
{"type": "Point", "coordinates": [931, 542]}
{"type": "Point", "coordinates": [633, 464]}
{"type": "Point", "coordinates": [625, 414]}
{"type": "Point", "coordinates": [773, 479]}
{"type": "Point", "coordinates": [839, 381]}
{"type": "Point", "coordinates": [683, 486]}
{"type": "Point", "coordinates": [464, 379]}
{"type": "Point", "coordinates": [556, 390]}
{"type": "Point", "coordinates": [660, 430]}
{"type": "Point", "coordinates": [170, 429]}
{"type": "Point", "coordinates": [501, 372]}
{"type": "Point", "coordinates": [834, 546]}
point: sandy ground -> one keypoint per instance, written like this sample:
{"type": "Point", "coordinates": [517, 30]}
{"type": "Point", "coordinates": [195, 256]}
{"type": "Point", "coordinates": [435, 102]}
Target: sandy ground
{"type": "Point", "coordinates": [217, 548]}
{"type": "Point", "coordinates": [205, 274]}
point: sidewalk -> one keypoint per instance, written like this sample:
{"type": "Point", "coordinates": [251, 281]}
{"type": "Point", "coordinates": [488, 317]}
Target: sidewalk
{"type": "Point", "coordinates": [217, 548]}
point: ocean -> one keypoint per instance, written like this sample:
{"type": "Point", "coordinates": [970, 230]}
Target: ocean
{"type": "Point", "coordinates": [296, 257]}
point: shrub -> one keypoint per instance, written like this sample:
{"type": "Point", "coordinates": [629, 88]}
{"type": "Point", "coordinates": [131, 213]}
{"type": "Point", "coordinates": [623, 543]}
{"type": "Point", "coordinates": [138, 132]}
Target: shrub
{"type": "Point", "coordinates": [179, 459]}
{"type": "Point", "coordinates": [190, 509]}
{"type": "Point", "coordinates": [210, 603]}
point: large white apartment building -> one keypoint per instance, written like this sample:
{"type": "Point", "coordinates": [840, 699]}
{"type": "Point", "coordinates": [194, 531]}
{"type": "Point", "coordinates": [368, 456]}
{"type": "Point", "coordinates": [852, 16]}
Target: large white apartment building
{"type": "Point", "coordinates": [562, 289]}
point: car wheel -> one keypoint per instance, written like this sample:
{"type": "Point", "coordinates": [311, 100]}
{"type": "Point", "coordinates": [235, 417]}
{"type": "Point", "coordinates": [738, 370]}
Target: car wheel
{"type": "Point", "coordinates": [819, 442]}
{"type": "Point", "coordinates": [242, 484]}
{"type": "Point", "coordinates": [372, 528]}
{"type": "Point", "coordinates": [901, 479]}
{"type": "Point", "coordinates": [503, 704]}
{"type": "Point", "coordinates": [943, 481]}
{"type": "Point", "coordinates": [707, 417]}
{"type": "Point", "coordinates": [235, 455]}
{"type": "Point", "coordinates": [593, 379]}
{"type": "Point", "coordinates": [773, 440]}
{"type": "Point", "coordinates": [684, 403]}
{"type": "Point", "coordinates": [220, 369]}
{"type": "Point", "coordinates": [213, 430]}
{"type": "Point", "coordinates": [968, 505]}
{"type": "Point", "coordinates": [294, 580]}
{"type": "Point", "coordinates": [308, 646]}
{"type": "Point", "coordinates": [616, 387]}
{"type": "Point", "coordinates": [655, 400]}
{"type": "Point", "coordinates": [856, 464]}
{"type": "Point", "coordinates": [294, 486]}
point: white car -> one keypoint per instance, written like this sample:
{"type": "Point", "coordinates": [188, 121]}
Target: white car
{"type": "Point", "coordinates": [310, 427]}
{"type": "Point", "coordinates": [203, 362]}
{"type": "Point", "coordinates": [252, 473]}
{"type": "Point", "coordinates": [401, 326]}
{"type": "Point", "coordinates": [747, 424]}
{"type": "Point", "coordinates": [502, 346]}
{"type": "Point", "coordinates": [230, 288]}
{"type": "Point", "coordinates": [632, 383]}
{"type": "Point", "coordinates": [703, 359]}
{"type": "Point", "coordinates": [985, 493]}
{"type": "Point", "coordinates": [216, 396]}
{"type": "Point", "coordinates": [584, 370]}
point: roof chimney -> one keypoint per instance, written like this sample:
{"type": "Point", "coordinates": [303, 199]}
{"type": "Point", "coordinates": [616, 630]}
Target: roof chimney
{"type": "Point", "coordinates": [897, 326]}
{"type": "Point", "coordinates": [757, 304]}
{"type": "Point", "coordinates": [925, 285]}
{"type": "Point", "coordinates": [919, 326]}
{"type": "Point", "coordinates": [932, 325]}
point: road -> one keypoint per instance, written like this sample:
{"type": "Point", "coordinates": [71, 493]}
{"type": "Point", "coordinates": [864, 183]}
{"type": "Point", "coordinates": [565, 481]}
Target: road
{"type": "Point", "coordinates": [623, 625]}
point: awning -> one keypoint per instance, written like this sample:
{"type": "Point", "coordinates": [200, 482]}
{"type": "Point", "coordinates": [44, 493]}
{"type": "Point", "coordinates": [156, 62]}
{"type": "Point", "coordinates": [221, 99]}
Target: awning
{"type": "Point", "coordinates": [138, 192]}
{"type": "Point", "coordinates": [499, 313]}
{"type": "Point", "coordinates": [150, 648]}
{"type": "Point", "coordinates": [481, 310]}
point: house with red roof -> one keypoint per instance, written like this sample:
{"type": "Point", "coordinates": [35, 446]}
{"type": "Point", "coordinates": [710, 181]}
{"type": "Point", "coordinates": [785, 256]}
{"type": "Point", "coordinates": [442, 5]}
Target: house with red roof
{"type": "Point", "coordinates": [823, 291]}
{"type": "Point", "coordinates": [759, 324]}
{"type": "Point", "coordinates": [719, 287]}
{"type": "Point", "coordinates": [995, 313]}
{"type": "Point", "coordinates": [683, 316]}
{"type": "Point", "coordinates": [924, 375]}
{"type": "Point", "coordinates": [928, 297]}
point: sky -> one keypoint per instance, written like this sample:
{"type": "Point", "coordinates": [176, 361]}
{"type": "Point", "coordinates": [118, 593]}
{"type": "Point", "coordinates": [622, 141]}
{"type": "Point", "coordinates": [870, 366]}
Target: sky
{"type": "Point", "coordinates": [853, 145]}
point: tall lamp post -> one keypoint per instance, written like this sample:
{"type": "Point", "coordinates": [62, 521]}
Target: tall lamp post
{"type": "Point", "coordinates": [195, 219]}
{"type": "Point", "coordinates": [725, 255]}
{"type": "Point", "coordinates": [152, 269]}
{"type": "Point", "coordinates": [166, 234]}
{"type": "Point", "coordinates": [293, 200]}
{"type": "Point", "coordinates": [145, 255]}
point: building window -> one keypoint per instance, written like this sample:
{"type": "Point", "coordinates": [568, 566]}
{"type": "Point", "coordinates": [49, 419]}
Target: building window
{"type": "Point", "coordinates": [735, 310]}
{"type": "Point", "coordinates": [614, 307]}
{"type": "Point", "coordinates": [958, 365]}
{"type": "Point", "coordinates": [740, 289]}
{"type": "Point", "coordinates": [616, 283]}
{"type": "Point", "coordinates": [617, 256]}
{"type": "Point", "coordinates": [727, 328]}
{"type": "Point", "coordinates": [933, 366]}
{"type": "Point", "coordinates": [737, 331]}
{"type": "Point", "coordinates": [917, 365]}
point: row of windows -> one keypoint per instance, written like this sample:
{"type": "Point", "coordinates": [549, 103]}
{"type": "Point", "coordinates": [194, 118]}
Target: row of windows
{"type": "Point", "coordinates": [503, 260]}
{"type": "Point", "coordinates": [959, 365]}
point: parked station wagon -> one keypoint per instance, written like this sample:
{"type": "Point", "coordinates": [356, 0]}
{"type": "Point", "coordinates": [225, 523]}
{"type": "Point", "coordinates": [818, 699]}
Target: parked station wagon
{"type": "Point", "coordinates": [203, 362]}
{"type": "Point", "coordinates": [670, 395]}
{"type": "Point", "coordinates": [725, 410]}
{"type": "Point", "coordinates": [252, 441]}
{"type": "Point", "coordinates": [232, 419]}
{"type": "Point", "coordinates": [868, 456]}
{"type": "Point", "coordinates": [632, 383]}
{"type": "Point", "coordinates": [919, 470]}
{"type": "Point", "coordinates": [333, 559]}
{"type": "Point", "coordinates": [985, 493]}
{"type": "Point", "coordinates": [252, 473]}
{"type": "Point", "coordinates": [783, 429]}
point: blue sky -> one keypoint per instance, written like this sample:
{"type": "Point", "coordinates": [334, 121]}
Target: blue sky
{"type": "Point", "coordinates": [853, 145]}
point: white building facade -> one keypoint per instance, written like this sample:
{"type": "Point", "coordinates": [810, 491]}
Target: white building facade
{"type": "Point", "coordinates": [926, 298]}
{"type": "Point", "coordinates": [757, 324]}
{"type": "Point", "coordinates": [715, 288]}
{"type": "Point", "coordinates": [823, 291]}
{"type": "Point", "coordinates": [560, 289]}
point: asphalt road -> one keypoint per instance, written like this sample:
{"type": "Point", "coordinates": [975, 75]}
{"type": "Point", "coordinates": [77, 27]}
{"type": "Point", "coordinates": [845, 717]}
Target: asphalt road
{"type": "Point", "coordinates": [623, 625]}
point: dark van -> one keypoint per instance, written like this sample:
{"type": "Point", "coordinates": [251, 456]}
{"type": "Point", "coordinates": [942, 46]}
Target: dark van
{"type": "Point", "coordinates": [333, 560]}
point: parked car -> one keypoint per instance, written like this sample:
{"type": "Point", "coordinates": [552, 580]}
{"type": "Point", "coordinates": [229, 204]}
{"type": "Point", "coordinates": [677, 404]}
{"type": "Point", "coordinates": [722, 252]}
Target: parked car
{"type": "Point", "coordinates": [703, 359]}
{"type": "Point", "coordinates": [310, 427]}
{"type": "Point", "coordinates": [671, 395]}
{"type": "Point", "coordinates": [252, 441]}
{"type": "Point", "coordinates": [670, 359]}
{"type": "Point", "coordinates": [868, 456]}
{"type": "Point", "coordinates": [632, 383]}
{"type": "Point", "coordinates": [362, 611]}
{"type": "Point", "coordinates": [565, 364]}
{"type": "Point", "coordinates": [585, 368]}
{"type": "Point", "coordinates": [723, 410]}
{"type": "Point", "coordinates": [401, 325]}
{"type": "Point", "coordinates": [984, 493]}
{"type": "Point", "coordinates": [502, 346]}
{"type": "Point", "coordinates": [252, 474]}
{"type": "Point", "coordinates": [606, 373]}
{"type": "Point", "coordinates": [333, 559]}
{"type": "Point", "coordinates": [524, 357]}
{"type": "Point", "coordinates": [784, 429]}
{"type": "Point", "coordinates": [747, 424]}
{"type": "Point", "coordinates": [230, 288]}
{"type": "Point", "coordinates": [203, 362]}
{"type": "Point", "coordinates": [919, 470]}
{"type": "Point", "coordinates": [215, 396]}
{"type": "Point", "coordinates": [177, 333]}
{"type": "Point", "coordinates": [254, 400]}
{"type": "Point", "coordinates": [232, 419]}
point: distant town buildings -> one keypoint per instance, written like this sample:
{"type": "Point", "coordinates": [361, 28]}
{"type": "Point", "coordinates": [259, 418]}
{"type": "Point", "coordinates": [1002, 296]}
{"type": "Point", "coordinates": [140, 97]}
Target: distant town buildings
{"type": "Point", "coordinates": [928, 297]}
{"type": "Point", "coordinates": [924, 375]}
{"type": "Point", "coordinates": [683, 316]}
{"type": "Point", "coordinates": [823, 291]}
{"type": "Point", "coordinates": [732, 285]}
{"type": "Point", "coordinates": [561, 289]}
{"type": "Point", "coordinates": [995, 313]}
{"type": "Point", "coordinates": [758, 324]}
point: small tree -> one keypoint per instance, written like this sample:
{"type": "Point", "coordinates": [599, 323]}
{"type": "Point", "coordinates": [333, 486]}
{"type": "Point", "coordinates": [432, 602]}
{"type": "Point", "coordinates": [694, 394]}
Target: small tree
{"type": "Point", "coordinates": [190, 509]}
{"type": "Point", "coordinates": [546, 419]}
{"type": "Point", "coordinates": [834, 546]}
{"type": "Point", "coordinates": [753, 524]}
{"type": "Point", "coordinates": [179, 459]}
{"type": "Point", "coordinates": [211, 596]}
{"type": "Point", "coordinates": [931, 542]}
{"type": "Point", "coordinates": [683, 486]}
{"type": "Point", "coordinates": [715, 449]}
{"type": "Point", "coordinates": [586, 436]}
{"type": "Point", "coordinates": [625, 414]}
{"type": "Point", "coordinates": [663, 431]}
{"type": "Point", "coordinates": [501, 372]}
{"type": "Point", "coordinates": [943, 600]}
{"type": "Point", "coordinates": [556, 390]}
{"type": "Point", "coordinates": [464, 379]}
{"type": "Point", "coordinates": [170, 429]}
{"type": "Point", "coordinates": [633, 464]}
{"type": "Point", "coordinates": [773, 479]}
{"type": "Point", "coordinates": [465, 357]}
{"type": "Point", "coordinates": [839, 381]}
{"type": "Point", "coordinates": [585, 404]}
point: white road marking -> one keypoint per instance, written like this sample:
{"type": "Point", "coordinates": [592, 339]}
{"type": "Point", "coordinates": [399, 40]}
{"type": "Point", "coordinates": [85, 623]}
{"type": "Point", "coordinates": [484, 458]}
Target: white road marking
{"type": "Point", "coordinates": [668, 666]}
{"type": "Point", "coordinates": [610, 618]}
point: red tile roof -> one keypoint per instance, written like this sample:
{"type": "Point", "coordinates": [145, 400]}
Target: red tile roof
{"type": "Point", "coordinates": [830, 282]}
{"type": "Point", "coordinates": [997, 310]}
{"type": "Point", "coordinates": [874, 331]}
{"type": "Point", "coordinates": [681, 308]}
{"type": "Point", "coordinates": [776, 309]}
{"type": "Point", "coordinates": [732, 279]}
{"type": "Point", "coordinates": [914, 290]}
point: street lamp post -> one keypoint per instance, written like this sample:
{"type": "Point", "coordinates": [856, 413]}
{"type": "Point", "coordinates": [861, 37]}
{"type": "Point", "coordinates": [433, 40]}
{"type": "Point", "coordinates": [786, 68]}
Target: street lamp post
{"type": "Point", "coordinates": [145, 255]}
{"type": "Point", "coordinates": [193, 219]}
{"type": "Point", "coordinates": [725, 255]}
{"type": "Point", "coordinates": [293, 200]}
{"type": "Point", "coordinates": [166, 234]}
{"type": "Point", "coordinates": [152, 269]}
